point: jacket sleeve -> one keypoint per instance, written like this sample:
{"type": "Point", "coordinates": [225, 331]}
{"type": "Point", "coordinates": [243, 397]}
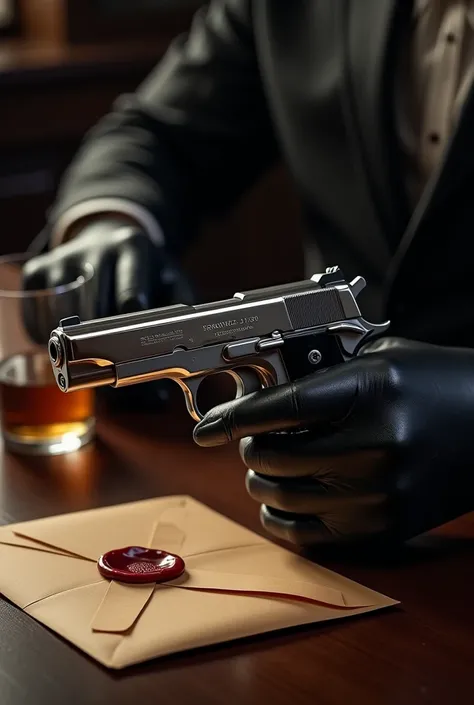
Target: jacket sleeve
{"type": "Point", "coordinates": [193, 137]}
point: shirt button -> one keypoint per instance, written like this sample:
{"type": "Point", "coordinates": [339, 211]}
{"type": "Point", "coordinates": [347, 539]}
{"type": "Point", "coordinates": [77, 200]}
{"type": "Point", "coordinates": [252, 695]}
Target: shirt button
{"type": "Point", "coordinates": [434, 137]}
{"type": "Point", "coordinates": [450, 37]}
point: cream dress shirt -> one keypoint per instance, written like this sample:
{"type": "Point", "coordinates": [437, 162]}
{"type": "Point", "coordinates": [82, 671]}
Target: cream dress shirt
{"type": "Point", "coordinates": [435, 73]}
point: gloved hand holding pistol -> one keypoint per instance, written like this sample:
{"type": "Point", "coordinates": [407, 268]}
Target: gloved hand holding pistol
{"type": "Point", "coordinates": [377, 448]}
{"type": "Point", "coordinates": [348, 435]}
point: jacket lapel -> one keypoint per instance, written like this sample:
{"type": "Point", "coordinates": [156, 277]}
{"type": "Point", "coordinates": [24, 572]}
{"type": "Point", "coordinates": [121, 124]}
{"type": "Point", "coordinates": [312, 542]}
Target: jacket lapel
{"type": "Point", "coordinates": [371, 31]}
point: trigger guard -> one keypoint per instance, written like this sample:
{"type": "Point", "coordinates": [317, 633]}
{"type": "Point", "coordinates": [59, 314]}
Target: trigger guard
{"type": "Point", "coordinates": [246, 382]}
{"type": "Point", "coordinates": [190, 388]}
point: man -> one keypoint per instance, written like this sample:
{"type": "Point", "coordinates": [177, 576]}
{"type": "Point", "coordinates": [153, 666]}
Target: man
{"type": "Point", "coordinates": [370, 104]}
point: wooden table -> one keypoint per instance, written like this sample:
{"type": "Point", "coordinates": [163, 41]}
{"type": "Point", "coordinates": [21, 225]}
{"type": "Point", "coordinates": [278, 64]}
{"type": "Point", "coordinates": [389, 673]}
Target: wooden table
{"type": "Point", "coordinates": [416, 654]}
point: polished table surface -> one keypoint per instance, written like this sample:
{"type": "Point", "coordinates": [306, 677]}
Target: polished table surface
{"type": "Point", "coordinates": [419, 652]}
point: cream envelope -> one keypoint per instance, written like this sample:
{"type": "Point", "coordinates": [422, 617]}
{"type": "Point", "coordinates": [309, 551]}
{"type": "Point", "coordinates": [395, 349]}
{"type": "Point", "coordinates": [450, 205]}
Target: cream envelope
{"type": "Point", "coordinates": [236, 584]}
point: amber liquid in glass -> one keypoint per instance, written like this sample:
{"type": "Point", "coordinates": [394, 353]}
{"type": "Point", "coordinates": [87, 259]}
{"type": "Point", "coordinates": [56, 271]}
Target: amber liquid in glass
{"type": "Point", "coordinates": [33, 408]}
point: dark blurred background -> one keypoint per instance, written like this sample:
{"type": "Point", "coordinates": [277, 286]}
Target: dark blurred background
{"type": "Point", "coordinates": [62, 64]}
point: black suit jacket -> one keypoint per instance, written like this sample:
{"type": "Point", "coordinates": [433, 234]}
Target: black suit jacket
{"type": "Point", "coordinates": [312, 82]}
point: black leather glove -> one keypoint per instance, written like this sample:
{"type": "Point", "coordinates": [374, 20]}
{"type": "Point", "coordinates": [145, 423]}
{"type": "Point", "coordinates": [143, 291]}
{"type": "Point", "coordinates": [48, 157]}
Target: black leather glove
{"type": "Point", "coordinates": [130, 274]}
{"type": "Point", "coordinates": [379, 448]}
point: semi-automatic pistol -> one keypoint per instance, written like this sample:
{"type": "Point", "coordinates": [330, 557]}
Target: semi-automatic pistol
{"type": "Point", "coordinates": [261, 338]}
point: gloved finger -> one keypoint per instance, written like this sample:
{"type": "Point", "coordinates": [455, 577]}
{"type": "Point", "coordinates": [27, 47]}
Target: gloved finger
{"type": "Point", "coordinates": [317, 399]}
{"type": "Point", "coordinates": [171, 285]}
{"type": "Point", "coordinates": [133, 274]}
{"type": "Point", "coordinates": [62, 275]}
{"type": "Point", "coordinates": [99, 298]}
{"type": "Point", "coordinates": [33, 279]}
{"type": "Point", "coordinates": [42, 313]}
{"type": "Point", "coordinates": [294, 454]}
{"type": "Point", "coordinates": [296, 529]}
{"type": "Point", "coordinates": [71, 296]}
{"type": "Point", "coordinates": [34, 273]}
{"type": "Point", "coordinates": [278, 454]}
{"type": "Point", "coordinates": [325, 530]}
{"type": "Point", "coordinates": [333, 458]}
{"type": "Point", "coordinates": [312, 497]}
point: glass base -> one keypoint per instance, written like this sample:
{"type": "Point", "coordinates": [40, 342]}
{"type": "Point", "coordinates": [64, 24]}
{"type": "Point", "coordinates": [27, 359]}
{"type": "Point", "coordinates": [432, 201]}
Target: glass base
{"type": "Point", "coordinates": [50, 439]}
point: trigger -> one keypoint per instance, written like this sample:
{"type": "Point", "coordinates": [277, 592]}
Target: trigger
{"type": "Point", "coordinates": [247, 382]}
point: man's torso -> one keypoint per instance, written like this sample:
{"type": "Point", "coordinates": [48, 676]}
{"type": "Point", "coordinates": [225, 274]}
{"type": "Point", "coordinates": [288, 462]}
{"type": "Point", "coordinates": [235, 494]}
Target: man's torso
{"type": "Point", "coordinates": [356, 92]}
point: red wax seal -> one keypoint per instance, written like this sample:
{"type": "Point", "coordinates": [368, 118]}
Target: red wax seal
{"type": "Point", "coordinates": [138, 565]}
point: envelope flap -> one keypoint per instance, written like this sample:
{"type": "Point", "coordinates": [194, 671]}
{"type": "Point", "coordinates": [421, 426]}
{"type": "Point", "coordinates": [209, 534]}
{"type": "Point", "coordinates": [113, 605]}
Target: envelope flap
{"type": "Point", "coordinates": [121, 607]}
{"type": "Point", "coordinates": [93, 532]}
{"type": "Point", "coordinates": [273, 569]}
{"type": "Point", "coordinates": [267, 586]}
{"type": "Point", "coordinates": [205, 531]}
{"type": "Point", "coordinates": [9, 538]}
